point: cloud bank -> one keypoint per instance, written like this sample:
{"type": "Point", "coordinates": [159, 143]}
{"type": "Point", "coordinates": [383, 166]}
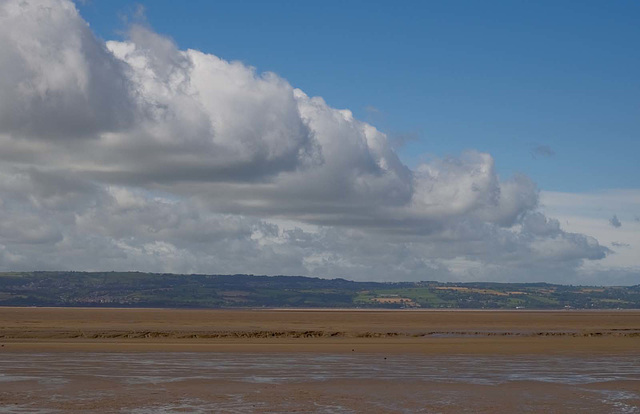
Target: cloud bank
{"type": "Point", "coordinates": [137, 155]}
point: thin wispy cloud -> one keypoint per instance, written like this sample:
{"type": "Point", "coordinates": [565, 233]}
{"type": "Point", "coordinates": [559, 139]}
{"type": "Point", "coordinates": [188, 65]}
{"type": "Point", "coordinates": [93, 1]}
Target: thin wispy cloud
{"type": "Point", "coordinates": [615, 222]}
{"type": "Point", "coordinates": [619, 244]}
{"type": "Point", "coordinates": [544, 151]}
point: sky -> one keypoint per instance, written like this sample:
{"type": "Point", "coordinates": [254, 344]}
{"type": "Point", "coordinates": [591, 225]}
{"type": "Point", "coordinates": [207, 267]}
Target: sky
{"type": "Point", "coordinates": [378, 140]}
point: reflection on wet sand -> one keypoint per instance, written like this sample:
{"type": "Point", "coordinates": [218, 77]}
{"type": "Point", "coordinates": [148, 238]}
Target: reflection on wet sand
{"type": "Point", "coordinates": [317, 361]}
{"type": "Point", "coordinates": [323, 383]}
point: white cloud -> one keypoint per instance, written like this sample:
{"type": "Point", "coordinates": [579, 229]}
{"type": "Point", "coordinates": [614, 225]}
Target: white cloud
{"type": "Point", "coordinates": [138, 155]}
{"type": "Point", "coordinates": [58, 81]}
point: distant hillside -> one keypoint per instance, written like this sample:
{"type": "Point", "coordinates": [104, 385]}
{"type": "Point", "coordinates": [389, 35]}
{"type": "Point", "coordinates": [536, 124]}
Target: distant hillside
{"type": "Point", "coordinates": [134, 289]}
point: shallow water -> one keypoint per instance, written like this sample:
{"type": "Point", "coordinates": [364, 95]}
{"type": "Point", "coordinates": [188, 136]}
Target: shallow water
{"type": "Point", "coordinates": [225, 382]}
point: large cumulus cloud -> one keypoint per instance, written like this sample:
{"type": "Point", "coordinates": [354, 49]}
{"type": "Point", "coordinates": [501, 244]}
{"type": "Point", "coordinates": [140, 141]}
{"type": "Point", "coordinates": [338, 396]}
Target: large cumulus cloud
{"type": "Point", "coordinates": [137, 155]}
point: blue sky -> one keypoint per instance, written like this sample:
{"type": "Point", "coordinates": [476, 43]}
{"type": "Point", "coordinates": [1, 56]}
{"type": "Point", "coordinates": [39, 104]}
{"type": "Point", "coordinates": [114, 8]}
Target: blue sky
{"type": "Point", "coordinates": [549, 88]}
{"type": "Point", "coordinates": [369, 140]}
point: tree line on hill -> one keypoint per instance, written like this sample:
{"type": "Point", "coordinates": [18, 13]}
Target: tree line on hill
{"type": "Point", "coordinates": [137, 289]}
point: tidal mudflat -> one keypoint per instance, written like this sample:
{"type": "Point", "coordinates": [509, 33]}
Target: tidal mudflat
{"type": "Point", "coordinates": [308, 382]}
{"type": "Point", "coordinates": [176, 361]}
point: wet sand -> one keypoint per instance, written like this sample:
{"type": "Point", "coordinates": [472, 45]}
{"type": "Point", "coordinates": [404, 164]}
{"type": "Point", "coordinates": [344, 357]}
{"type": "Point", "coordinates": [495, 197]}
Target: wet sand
{"type": "Point", "coordinates": [475, 332]}
{"type": "Point", "coordinates": [315, 383]}
{"type": "Point", "coordinates": [340, 361]}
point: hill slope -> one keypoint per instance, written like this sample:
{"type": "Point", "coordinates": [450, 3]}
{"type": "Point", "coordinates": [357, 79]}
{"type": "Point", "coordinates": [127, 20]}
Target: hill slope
{"type": "Point", "coordinates": [135, 289]}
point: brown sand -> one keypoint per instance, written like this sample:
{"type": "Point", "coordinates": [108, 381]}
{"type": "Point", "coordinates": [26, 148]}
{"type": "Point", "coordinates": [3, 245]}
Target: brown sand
{"type": "Point", "coordinates": [334, 396]}
{"type": "Point", "coordinates": [335, 331]}
{"type": "Point", "coordinates": [82, 386]}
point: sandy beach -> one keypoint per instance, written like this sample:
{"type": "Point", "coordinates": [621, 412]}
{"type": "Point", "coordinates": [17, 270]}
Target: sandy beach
{"type": "Point", "coordinates": [265, 330]}
{"type": "Point", "coordinates": [55, 360]}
